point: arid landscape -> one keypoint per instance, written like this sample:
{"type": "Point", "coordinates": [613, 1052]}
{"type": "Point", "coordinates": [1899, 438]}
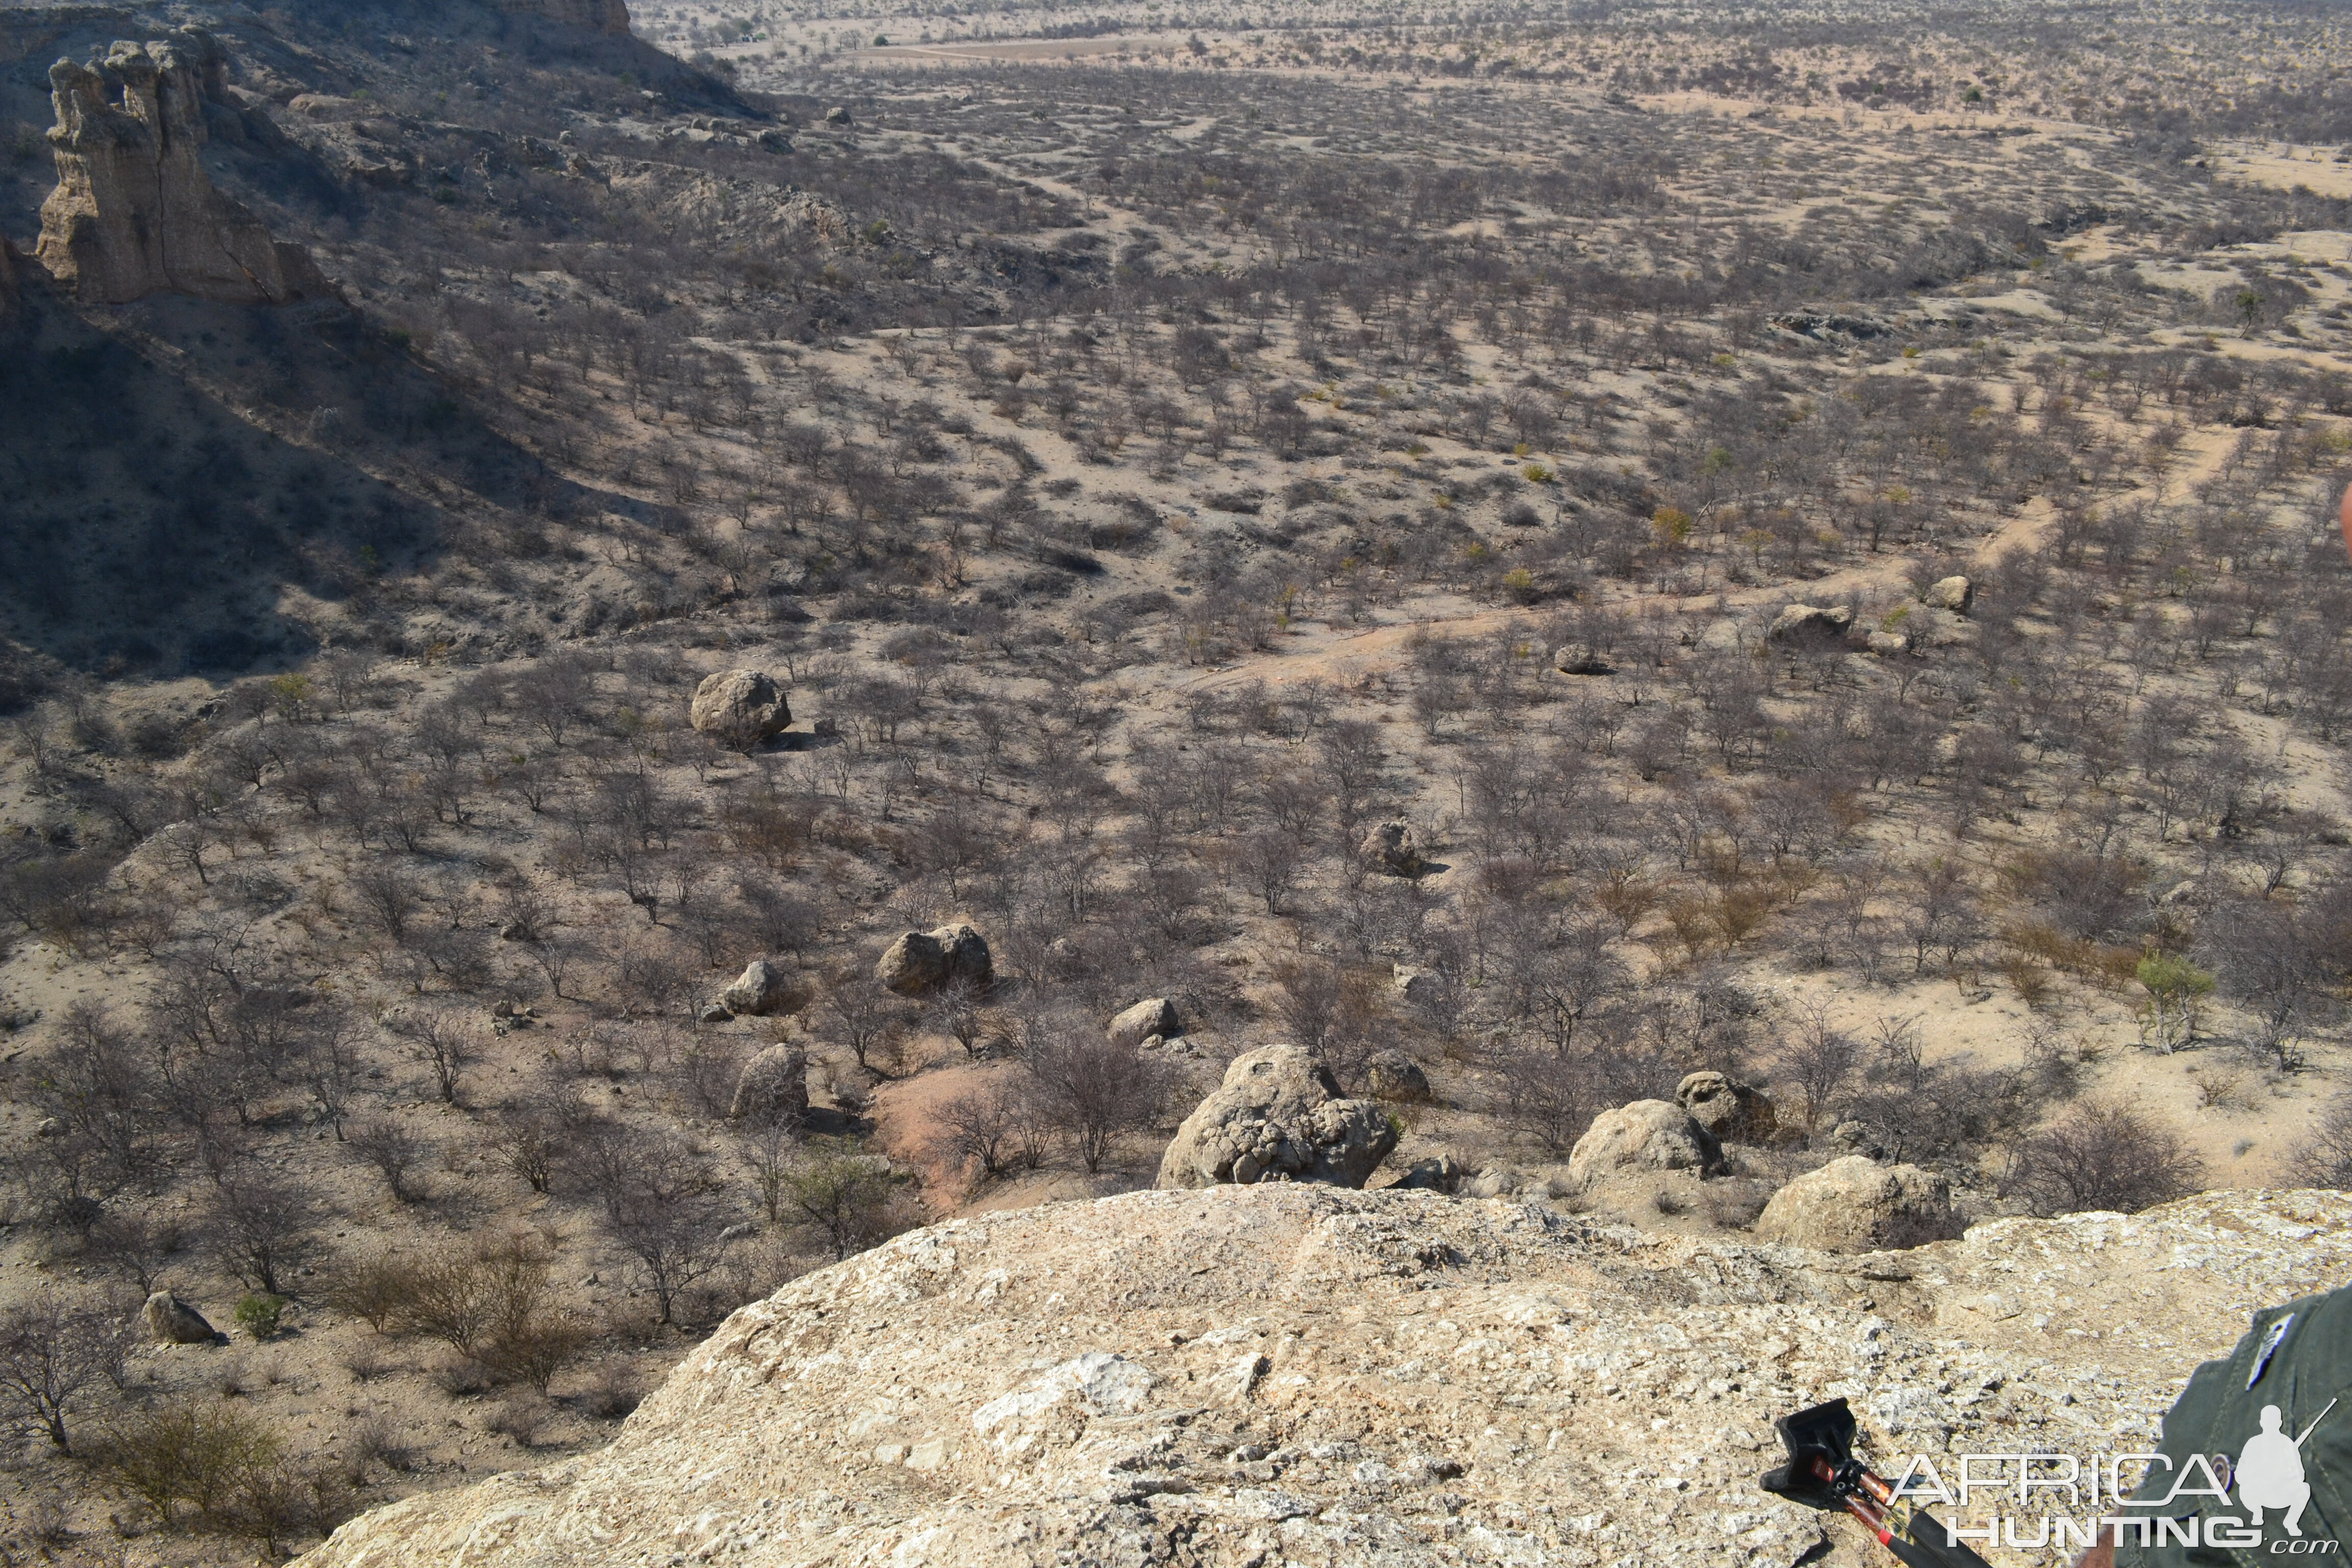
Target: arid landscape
{"type": "Point", "coordinates": [642, 649]}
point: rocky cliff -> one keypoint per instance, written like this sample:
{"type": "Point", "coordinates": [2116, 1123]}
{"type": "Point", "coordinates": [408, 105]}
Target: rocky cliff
{"type": "Point", "coordinates": [597, 16]}
{"type": "Point", "coordinates": [134, 213]}
{"type": "Point", "coordinates": [1297, 1373]}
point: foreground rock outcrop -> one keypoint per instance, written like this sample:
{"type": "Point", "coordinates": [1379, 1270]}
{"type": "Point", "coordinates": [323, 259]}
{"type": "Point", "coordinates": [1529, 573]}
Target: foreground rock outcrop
{"type": "Point", "coordinates": [1303, 1374]}
{"type": "Point", "coordinates": [1278, 1116]}
{"type": "Point", "coordinates": [134, 213]}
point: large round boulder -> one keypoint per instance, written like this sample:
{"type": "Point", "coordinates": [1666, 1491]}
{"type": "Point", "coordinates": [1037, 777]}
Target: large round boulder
{"type": "Point", "coordinates": [1278, 1115]}
{"type": "Point", "coordinates": [774, 1088]}
{"type": "Point", "coordinates": [1153, 1016]}
{"type": "Point", "coordinates": [1647, 1135]}
{"type": "Point", "coordinates": [1732, 1110]}
{"type": "Point", "coordinates": [1389, 1074]}
{"type": "Point", "coordinates": [740, 708]}
{"type": "Point", "coordinates": [921, 962]}
{"type": "Point", "coordinates": [1394, 848]}
{"type": "Point", "coordinates": [1857, 1204]}
{"type": "Point", "coordinates": [765, 987]}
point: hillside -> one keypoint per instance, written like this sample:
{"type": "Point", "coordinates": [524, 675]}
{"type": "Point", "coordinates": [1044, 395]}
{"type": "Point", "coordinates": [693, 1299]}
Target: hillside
{"type": "Point", "coordinates": [1223, 1377]}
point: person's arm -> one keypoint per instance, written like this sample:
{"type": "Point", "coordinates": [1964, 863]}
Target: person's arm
{"type": "Point", "coordinates": [2103, 1555]}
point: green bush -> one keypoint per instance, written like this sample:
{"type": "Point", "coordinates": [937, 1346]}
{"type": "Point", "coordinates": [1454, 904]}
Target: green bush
{"type": "Point", "coordinates": [261, 1314]}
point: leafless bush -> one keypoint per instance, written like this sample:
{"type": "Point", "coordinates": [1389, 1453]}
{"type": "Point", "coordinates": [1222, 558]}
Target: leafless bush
{"type": "Point", "coordinates": [55, 1350]}
{"type": "Point", "coordinates": [2324, 1157]}
{"type": "Point", "coordinates": [989, 1131]}
{"type": "Point", "coordinates": [377, 1441]}
{"type": "Point", "coordinates": [2102, 1157]}
{"type": "Point", "coordinates": [134, 1244]}
{"type": "Point", "coordinates": [521, 1416]}
{"type": "Point", "coordinates": [387, 1143]}
{"type": "Point", "coordinates": [1091, 1091]}
{"type": "Point", "coordinates": [445, 1041]}
{"type": "Point", "coordinates": [259, 1229]}
{"type": "Point", "coordinates": [610, 1392]}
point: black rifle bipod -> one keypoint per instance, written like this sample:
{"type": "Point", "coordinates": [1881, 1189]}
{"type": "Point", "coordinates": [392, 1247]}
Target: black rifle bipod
{"type": "Point", "coordinates": [1823, 1473]}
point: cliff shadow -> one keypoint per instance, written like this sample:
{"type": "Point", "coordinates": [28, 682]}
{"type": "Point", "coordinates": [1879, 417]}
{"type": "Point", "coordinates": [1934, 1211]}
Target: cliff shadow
{"type": "Point", "coordinates": [215, 489]}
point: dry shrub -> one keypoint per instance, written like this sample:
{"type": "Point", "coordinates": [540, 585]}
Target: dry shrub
{"type": "Point", "coordinates": [2103, 1157]}
{"type": "Point", "coordinates": [218, 1466]}
{"type": "Point", "coordinates": [2324, 1157]}
{"type": "Point", "coordinates": [489, 1303]}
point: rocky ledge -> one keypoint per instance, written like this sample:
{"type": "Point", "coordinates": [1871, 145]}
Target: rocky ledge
{"type": "Point", "coordinates": [1313, 1375]}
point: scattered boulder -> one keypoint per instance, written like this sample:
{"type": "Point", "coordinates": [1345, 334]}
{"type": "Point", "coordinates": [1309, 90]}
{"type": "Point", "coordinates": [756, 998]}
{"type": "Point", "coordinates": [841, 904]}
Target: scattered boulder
{"type": "Point", "coordinates": [740, 708]}
{"type": "Point", "coordinates": [1574, 659]}
{"type": "Point", "coordinates": [1156, 1015]}
{"type": "Point", "coordinates": [1394, 1076]}
{"type": "Point", "coordinates": [774, 1088]}
{"type": "Point", "coordinates": [1811, 623]}
{"type": "Point", "coordinates": [173, 1322]}
{"type": "Point", "coordinates": [134, 213]}
{"type": "Point", "coordinates": [1443, 1174]}
{"type": "Point", "coordinates": [1649, 1135]}
{"type": "Point", "coordinates": [1731, 1112]}
{"type": "Point", "coordinates": [837, 115]}
{"type": "Point", "coordinates": [1416, 985]}
{"type": "Point", "coordinates": [1886, 644]}
{"type": "Point", "coordinates": [919, 962]}
{"type": "Point", "coordinates": [1953, 593]}
{"type": "Point", "coordinates": [1855, 1205]}
{"type": "Point", "coordinates": [713, 1013]}
{"type": "Point", "coordinates": [1394, 848]}
{"type": "Point", "coordinates": [764, 987]}
{"type": "Point", "coordinates": [1857, 1137]}
{"type": "Point", "coordinates": [1278, 1116]}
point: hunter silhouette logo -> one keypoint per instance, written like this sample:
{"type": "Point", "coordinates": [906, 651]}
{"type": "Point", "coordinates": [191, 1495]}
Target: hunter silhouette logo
{"type": "Point", "coordinates": [2270, 1471]}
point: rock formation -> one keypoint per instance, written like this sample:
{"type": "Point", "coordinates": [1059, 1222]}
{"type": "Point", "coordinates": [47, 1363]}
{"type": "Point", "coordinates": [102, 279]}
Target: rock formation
{"type": "Point", "coordinates": [740, 708]}
{"type": "Point", "coordinates": [1732, 1112]}
{"type": "Point", "coordinates": [1278, 1116]}
{"type": "Point", "coordinates": [919, 962]}
{"type": "Point", "coordinates": [1155, 1016]}
{"type": "Point", "coordinates": [595, 16]}
{"type": "Point", "coordinates": [171, 1321]}
{"type": "Point", "coordinates": [1300, 1374]}
{"type": "Point", "coordinates": [134, 213]}
{"type": "Point", "coordinates": [773, 1087]}
{"type": "Point", "coordinates": [1855, 1205]}
{"type": "Point", "coordinates": [1812, 623]}
{"type": "Point", "coordinates": [1953, 593]}
{"type": "Point", "coordinates": [764, 987]}
{"type": "Point", "coordinates": [1647, 1135]}
{"type": "Point", "coordinates": [1394, 848]}
{"type": "Point", "coordinates": [1392, 1075]}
